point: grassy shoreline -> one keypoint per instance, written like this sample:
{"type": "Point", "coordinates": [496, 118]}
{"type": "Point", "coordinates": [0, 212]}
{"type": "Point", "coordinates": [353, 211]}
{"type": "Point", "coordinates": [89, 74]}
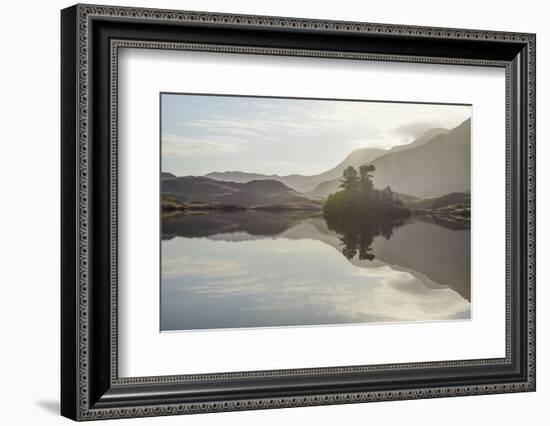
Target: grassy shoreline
{"type": "Point", "coordinates": [455, 213]}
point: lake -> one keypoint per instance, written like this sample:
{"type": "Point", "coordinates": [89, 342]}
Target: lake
{"type": "Point", "coordinates": [274, 269]}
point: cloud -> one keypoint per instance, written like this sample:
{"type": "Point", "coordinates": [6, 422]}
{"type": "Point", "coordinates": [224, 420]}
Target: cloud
{"type": "Point", "coordinates": [180, 146]}
{"type": "Point", "coordinates": [415, 129]}
{"type": "Point", "coordinates": [302, 121]}
{"type": "Point", "coordinates": [232, 126]}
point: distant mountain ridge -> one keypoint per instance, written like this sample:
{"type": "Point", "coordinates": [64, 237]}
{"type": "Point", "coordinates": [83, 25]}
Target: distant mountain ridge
{"type": "Point", "coordinates": [306, 184]}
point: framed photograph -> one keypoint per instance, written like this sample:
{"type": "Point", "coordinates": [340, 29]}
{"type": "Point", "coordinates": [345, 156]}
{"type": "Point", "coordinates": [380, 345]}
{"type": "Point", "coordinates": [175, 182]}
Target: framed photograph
{"type": "Point", "coordinates": [263, 212]}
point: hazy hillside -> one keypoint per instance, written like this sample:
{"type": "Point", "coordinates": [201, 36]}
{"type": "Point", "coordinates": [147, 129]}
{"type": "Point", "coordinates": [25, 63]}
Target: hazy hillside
{"type": "Point", "coordinates": [355, 159]}
{"type": "Point", "coordinates": [439, 166]}
{"type": "Point", "coordinates": [304, 183]}
{"type": "Point", "coordinates": [256, 193]}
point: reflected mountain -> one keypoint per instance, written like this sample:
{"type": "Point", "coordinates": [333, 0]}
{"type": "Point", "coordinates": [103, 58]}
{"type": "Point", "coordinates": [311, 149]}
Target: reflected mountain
{"type": "Point", "coordinates": [251, 222]}
{"type": "Point", "coordinates": [433, 251]}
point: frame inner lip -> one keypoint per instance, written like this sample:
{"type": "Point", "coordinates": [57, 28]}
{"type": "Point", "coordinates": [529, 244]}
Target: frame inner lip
{"type": "Point", "coordinates": [115, 45]}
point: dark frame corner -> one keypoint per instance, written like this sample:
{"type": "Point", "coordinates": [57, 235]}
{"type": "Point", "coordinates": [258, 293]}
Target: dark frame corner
{"type": "Point", "coordinates": [90, 37]}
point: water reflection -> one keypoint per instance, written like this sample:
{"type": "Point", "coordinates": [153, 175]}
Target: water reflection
{"type": "Point", "coordinates": [357, 234]}
{"type": "Point", "coordinates": [257, 269]}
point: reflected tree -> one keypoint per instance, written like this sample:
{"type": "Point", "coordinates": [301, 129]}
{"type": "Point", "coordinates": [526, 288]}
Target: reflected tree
{"type": "Point", "coordinates": [359, 212]}
{"type": "Point", "coordinates": [357, 233]}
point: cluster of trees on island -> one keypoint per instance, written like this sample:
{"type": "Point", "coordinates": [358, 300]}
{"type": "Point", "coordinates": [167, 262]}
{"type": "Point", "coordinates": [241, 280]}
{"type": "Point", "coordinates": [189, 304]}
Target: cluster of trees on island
{"type": "Point", "coordinates": [359, 198]}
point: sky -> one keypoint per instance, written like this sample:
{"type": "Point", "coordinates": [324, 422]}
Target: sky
{"type": "Point", "coordinates": [206, 133]}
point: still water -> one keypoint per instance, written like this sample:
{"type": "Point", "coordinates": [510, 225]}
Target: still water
{"type": "Point", "coordinates": [263, 269]}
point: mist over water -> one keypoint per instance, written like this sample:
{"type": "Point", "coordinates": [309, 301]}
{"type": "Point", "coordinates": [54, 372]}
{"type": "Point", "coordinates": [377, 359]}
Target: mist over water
{"type": "Point", "coordinates": [262, 269]}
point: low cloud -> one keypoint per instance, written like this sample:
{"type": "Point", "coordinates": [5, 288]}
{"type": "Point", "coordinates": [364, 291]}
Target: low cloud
{"type": "Point", "coordinates": [416, 129]}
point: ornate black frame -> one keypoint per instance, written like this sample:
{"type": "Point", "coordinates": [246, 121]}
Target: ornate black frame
{"type": "Point", "coordinates": [91, 37]}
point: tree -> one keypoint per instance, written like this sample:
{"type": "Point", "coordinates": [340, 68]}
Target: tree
{"type": "Point", "coordinates": [365, 179]}
{"type": "Point", "coordinates": [387, 195]}
{"type": "Point", "coordinates": [365, 170]}
{"type": "Point", "coordinates": [349, 180]}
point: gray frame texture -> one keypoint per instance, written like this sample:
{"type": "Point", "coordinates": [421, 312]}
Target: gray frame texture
{"type": "Point", "coordinates": [91, 39]}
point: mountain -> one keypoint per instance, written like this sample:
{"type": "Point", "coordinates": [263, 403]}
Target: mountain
{"type": "Point", "coordinates": [266, 194]}
{"type": "Point", "coordinates": [355, 159]}
{"type": "Point", "coordinates": [239, 177]}
{"type": "Point", "coordinates": [440, 165]}
{"type": "Point", "coordinates": [440, 253]}
{"type": "Point", "coordinates": [421, 140]}
{"type": "Point", "coordinates": [303, 183]}
{"type": "Point", "coordinates": [166, 175]}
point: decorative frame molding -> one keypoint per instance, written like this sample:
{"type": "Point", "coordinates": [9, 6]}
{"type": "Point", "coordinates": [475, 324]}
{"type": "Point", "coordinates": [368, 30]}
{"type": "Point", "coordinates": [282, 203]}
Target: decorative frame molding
{"type": "Point", "coordinates": [91, 388]}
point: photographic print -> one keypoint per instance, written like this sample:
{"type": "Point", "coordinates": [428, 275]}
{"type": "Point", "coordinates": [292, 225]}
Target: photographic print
{"type": "Point", "coordinates": [283, 212]}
